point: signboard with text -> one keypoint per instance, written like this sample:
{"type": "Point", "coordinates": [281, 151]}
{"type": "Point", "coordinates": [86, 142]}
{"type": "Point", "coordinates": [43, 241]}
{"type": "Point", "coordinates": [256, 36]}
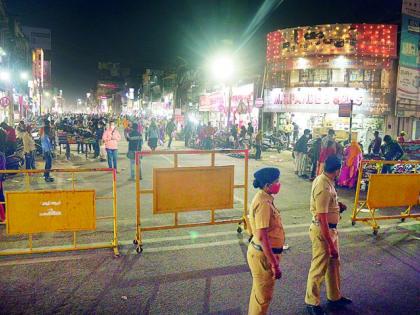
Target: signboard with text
{"type": "Point", "coordinates": [50, 211]}
{"type": "Point", "coordinates": [326, 100]}
{"type": "Point", "coordinates": [408, 81]}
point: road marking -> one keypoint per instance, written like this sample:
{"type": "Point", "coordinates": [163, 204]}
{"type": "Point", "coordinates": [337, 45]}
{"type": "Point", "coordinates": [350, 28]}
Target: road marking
{"type": "Point", "coordinates": [28, 261]}
{"type": "Point", "coordinates": [209, 235]}
{"type": "Point", "coordinates": [233, 242]}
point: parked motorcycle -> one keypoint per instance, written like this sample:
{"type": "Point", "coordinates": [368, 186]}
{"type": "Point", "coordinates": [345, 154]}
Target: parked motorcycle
{"type": "Point", "coordinates": [273, 142]}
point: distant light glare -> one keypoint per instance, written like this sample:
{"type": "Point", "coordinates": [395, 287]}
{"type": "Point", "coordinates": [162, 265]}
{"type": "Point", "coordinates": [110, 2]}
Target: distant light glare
{"type": "Point", "coordinates": [24, 75]}
{"type": "Point", "coordinates": [4, 76]}
{"type": "Point", "coordinates": [222, 68]}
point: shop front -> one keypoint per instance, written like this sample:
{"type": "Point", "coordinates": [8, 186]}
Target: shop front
{"type": "Point", "coordinates": [314, 71]}
{"type": "Point", "coordinates": [214, 107]}
{"type": "Point", "coordinates": [318, 109]}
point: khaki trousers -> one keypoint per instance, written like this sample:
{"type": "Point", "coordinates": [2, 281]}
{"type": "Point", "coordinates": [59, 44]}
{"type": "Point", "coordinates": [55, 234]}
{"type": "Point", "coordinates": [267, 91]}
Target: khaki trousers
{"type": "Point", "coordinates": [262, 282]}
{"type": "Point", "coordinates": [322, 266]}
{"type": "Point", "coordinates": [300, 158]}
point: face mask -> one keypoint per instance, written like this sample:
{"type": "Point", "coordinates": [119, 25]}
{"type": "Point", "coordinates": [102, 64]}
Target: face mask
{"type": "Point", "coordinates": [274, 188]}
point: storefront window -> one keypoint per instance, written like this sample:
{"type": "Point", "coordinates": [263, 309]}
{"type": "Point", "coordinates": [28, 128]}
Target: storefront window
{"type": "Point", "coordinates": [321, 76]}
{"type": "Point", "coordinates": [294, 77]}
{"type": "Point", "coordinates": [306, 76]}
{"type": "Point", "coordinates": [355, 75]}
{"type": "Point", "coordinates": [338, 76]}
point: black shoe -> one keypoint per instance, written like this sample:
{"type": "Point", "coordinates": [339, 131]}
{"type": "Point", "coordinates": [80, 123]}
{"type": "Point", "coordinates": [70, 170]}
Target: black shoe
{"type": "Point", "coordinates": [315, 309]}
{"type": "Point", "coordinates": [49, 179]}
{"type": "Point", "coordinates": [343, 301]}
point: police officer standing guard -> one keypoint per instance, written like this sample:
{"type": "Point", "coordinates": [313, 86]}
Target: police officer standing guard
{"type": "Point", "coordinates": [325, 263]}
{"type": "Point", "coordinates": [268, 240]}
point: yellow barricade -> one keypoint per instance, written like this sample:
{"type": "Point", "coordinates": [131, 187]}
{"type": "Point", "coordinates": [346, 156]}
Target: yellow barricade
{"type": "Point", "coordinates": [35, 209]}
{"type": "Point", "coordinates": [204, 188]}
{"type": "Point", "coordinates": [376, 191]}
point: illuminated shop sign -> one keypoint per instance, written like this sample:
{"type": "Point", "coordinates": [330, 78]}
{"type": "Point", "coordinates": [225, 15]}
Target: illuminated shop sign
{"type": "Point", "coordinates": [326, 100]}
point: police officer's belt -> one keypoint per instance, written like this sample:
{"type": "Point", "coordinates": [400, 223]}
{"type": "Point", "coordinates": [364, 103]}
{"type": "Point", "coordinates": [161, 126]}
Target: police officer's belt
{"type": "Point", "coordinates": [259, 248]}
{"type": "Point", "coordinates": [330, 225]}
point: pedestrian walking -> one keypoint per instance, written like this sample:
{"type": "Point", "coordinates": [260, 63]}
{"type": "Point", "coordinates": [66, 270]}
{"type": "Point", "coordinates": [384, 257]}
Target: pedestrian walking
{"type": "Point", "coordinates": [391, 151]}
{"type": "Point", "coordinates": [250, 132]}
{"type": "Point", "coordinates": [295, 132]}
{"type": "Point", "coordinates": [267, 242]}
{"type": "Point", "coordinates": [47, 150]}
{"type": "Point", "coordinates": [153, 135]}
{"type": "Point", "coordinates": [111, 138]}
{"type": "Point", "coordinates": [315, 152]}
{"type": "Point", "coordinates": [2, 204]}
{"type": "Point", "coordinates": [325, 210]}
{"type": "Point", "coordinates": [353, 156]}
{"type": "Point", "coordinates": [135, 143]}
{"type": "Point", "coordinates": [28, 148]}
{"type": "Point", "coordinates": [258, 145]}
{"type": "Point", "coordinates": [375, 145]}
{"type": "Point", "coordinates": [301, 153]}
{"type": "Point", "coordinates": [170, 129]}
{"type": "Point", "coordinates": [288, 129]}
{"type": "Point", "coordinates": [401, 137]}
{"type": "Point", "coordinates": [329, 150]}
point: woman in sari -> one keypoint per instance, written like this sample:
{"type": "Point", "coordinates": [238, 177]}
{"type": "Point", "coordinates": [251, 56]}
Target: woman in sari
{"type": "Point", "coordinates": [353, 156]}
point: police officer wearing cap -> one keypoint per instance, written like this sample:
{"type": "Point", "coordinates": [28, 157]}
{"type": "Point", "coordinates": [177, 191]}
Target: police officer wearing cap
{"type": "Point", "coordinates": [323, 232]}
{"type": "Point", "coordinates": [267, 242]}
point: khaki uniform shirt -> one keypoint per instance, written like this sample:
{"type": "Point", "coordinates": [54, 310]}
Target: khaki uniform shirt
{"type": "Point", "coordinates": [263, 214]}
{"type": "Point", "coordinates": [324, 199]}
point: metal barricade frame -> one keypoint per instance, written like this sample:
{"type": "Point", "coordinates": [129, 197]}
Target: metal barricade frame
{"type": "Point", "coordinates": [138, 242]}
{"type": "Point", "coordinates": [360, 204]}
{"type": "Point", "coordinates": [74, 246]}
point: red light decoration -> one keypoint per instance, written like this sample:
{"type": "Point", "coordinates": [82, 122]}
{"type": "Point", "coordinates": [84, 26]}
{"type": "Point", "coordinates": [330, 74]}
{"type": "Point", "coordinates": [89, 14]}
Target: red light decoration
{"type": "Point", "coordinates": [338, 39]}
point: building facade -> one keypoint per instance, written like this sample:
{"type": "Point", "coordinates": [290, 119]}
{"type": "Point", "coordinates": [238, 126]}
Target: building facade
{"type": "Point", "coordinates": [314, 71]}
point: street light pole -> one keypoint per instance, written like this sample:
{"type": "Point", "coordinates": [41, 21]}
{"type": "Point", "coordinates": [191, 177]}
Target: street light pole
{"type": "Point", "coordinates": [229, 106]}
{"type": "Point", "coordinates": [351, 119]}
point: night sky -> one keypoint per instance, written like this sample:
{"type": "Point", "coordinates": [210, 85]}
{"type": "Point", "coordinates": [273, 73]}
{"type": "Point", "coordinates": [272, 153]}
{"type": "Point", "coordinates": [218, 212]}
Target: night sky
{"type": "Point", "coordinates": [152, 33]}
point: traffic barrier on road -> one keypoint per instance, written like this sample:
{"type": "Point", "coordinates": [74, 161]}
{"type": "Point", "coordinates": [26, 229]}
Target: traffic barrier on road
{"type": "Point", "coordinates": [185, 189]}
{"type": "Point", "coordinates": [400, 188]}
{"type": "Point", "coordinates": [35, 209]}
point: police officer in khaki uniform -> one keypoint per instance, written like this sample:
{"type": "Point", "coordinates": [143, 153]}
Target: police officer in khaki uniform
{"type": "Point", "coordinates": [323, 232]}
{"type": "Point", "coordinates": [267, 242]}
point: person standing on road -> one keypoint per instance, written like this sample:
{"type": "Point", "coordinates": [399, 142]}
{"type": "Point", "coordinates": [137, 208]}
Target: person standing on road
{"type": "Point", "coordinates": [111, 137]}
{"type": "Point", "coordinates": [325, 210]}
{"type": "Point", "coordinates": [170, 129]}
{"type": "Point", "coordinates": [392, 151]}
{"type": "Point", "coordinates": [295, 132]}
{"type": "Point", "coordinates": [258, 145]}
{"type": "Point", "coordinates": [28, 148]}
{"type": "Point", "coordinates": [153, 135]}
{"type": "Point", "coordinates": [267, 242]}
{"type": "Point", "coordinates": [301, 152]}
{"type": "Point", "coordinates": [250, 132]}
{"type": "Point", "coordinates": [375, 145]}
{"type": "Point", "coordinates": [47, 150]}
{"type": "Point", "coordinates": [135, 143]}
{"type": "Point", "coordinates": [2, 205]}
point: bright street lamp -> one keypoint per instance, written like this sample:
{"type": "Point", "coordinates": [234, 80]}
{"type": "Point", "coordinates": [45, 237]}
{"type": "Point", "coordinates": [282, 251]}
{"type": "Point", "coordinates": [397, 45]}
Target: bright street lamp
{"type": "Point", "coordinates": [222, 68]}
{"type": "Point", "coordinates": [5, 76]}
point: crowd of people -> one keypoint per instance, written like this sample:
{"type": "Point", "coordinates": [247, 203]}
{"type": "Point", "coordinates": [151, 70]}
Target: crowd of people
{"type": "Point", "coordinates": [102, 131]}
{"type": "Point", "coordinates": [312, 153]}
